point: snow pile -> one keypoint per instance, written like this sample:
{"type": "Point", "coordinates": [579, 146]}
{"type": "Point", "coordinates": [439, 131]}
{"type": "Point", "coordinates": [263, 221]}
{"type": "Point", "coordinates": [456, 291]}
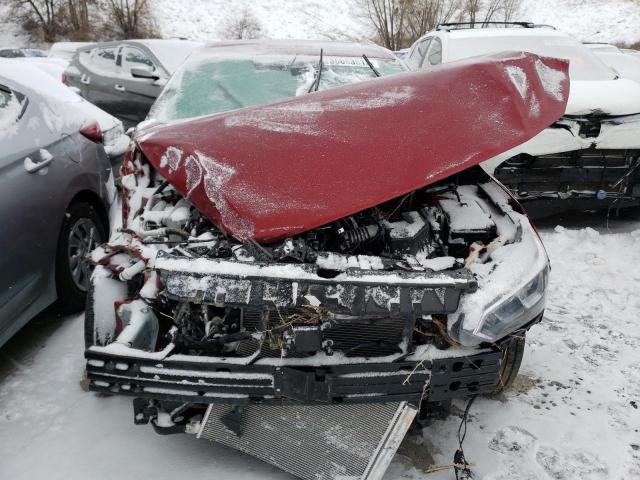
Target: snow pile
{"type": "Point", "coordinates": [311, 19]}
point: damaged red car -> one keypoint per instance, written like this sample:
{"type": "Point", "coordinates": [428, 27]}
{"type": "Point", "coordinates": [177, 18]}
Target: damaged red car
{"type": "Point", "coordinates": [312, 254]}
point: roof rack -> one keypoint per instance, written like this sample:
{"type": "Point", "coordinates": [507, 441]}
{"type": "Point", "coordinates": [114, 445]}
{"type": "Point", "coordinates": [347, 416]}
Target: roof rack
{"type": "Point", "coordinates": [471, 25]}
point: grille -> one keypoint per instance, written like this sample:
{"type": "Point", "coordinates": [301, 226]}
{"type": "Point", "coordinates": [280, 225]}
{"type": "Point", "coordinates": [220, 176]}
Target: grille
{"type": "Point", "coordinates": [316, 442]}
{"type": "Point", "coordinates": [372, 338]}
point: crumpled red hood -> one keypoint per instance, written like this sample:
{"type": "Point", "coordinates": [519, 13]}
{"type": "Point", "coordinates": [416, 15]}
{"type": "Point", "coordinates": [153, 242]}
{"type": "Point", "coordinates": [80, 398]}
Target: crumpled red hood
{"type": "Point", "coordinates": [277, 170]}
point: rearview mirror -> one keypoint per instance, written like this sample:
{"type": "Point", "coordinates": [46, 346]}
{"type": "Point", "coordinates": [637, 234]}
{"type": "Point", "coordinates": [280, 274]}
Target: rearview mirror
{"type": "Point", "coordinates": [143, 73]}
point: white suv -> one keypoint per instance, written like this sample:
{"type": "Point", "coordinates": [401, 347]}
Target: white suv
{"type": "Point", "coordinates": [590, 158]}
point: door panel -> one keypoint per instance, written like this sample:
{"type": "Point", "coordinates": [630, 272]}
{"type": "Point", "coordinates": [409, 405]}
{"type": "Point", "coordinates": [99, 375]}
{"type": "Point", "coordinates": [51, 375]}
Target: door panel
{"type": "Point", "coordinates": [140, 92]}
{"type": "Point", "coordinates": [102, 74]}
{"type": "Point", "coordinates": [31, 210]}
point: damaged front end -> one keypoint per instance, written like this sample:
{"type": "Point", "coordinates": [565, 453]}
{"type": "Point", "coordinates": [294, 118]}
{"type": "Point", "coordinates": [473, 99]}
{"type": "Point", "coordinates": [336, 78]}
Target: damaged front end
{"type": "Point", "coordinates": [587, 160]}
{"type": "Point", "coordinates": [401, 304]}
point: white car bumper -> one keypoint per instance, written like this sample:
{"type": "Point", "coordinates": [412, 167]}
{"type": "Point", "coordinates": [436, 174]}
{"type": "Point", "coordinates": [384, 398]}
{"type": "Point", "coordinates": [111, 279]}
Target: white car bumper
{"type": "Point", "coordinates": [618, 133]}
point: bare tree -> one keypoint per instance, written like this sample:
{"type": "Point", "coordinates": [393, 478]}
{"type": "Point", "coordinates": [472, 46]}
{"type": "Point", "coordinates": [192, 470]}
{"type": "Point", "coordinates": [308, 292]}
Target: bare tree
{"type": "Point", "coordinates": [244, 26]}
{"type": "Point", "coordinates": [398, 23]}
{"type": "Point", "coordinates": [425, 15]}
{"type": "Point", "coordinates": [133, 18]}
{"type": "Point", "coordinates": [492, 7]}
{"type": "Point", "coordinates": [471, 8]}
{"type": "Point", "coordinates": [387, 17]}
{"type": "Point", "coordinates": [78, 21]}
{"type": "Point", "coordinates": [39, 15]}
{"type": "Point", "coordinates": [481, 11]}
{"type": "Point", "coordinates": [510, 9]}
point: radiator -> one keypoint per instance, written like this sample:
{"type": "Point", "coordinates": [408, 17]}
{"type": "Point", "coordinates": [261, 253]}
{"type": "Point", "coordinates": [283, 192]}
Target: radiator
{"type": "Point", "coordinates": [314, 442]}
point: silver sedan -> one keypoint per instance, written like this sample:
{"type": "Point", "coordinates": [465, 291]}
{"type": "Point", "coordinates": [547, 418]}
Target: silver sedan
{"type": "Point", "coordinates": [56, 187]}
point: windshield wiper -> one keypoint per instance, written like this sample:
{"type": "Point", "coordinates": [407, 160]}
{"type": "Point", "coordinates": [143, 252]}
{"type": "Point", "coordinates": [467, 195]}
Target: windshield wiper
{"type": "Point", "coordinates": [316, 83]}
{"type": "Point", "coordinates": [366, 59]}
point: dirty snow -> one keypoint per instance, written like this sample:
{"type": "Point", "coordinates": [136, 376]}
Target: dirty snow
{"type": "Point", "coordinates": [572, 415]}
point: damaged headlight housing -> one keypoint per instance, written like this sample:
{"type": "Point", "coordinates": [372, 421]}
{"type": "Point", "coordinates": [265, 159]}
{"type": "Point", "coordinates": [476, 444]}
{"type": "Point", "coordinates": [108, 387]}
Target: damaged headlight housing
{"type": "Point", "coordinates": [481, 321]}
{"type": "Point", "coordinates": [514, 312]}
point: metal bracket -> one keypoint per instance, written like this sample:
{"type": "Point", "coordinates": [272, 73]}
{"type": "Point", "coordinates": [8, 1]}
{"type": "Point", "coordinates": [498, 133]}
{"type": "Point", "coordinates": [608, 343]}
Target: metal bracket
{"type": "Point", "coordinates": [302, 386]}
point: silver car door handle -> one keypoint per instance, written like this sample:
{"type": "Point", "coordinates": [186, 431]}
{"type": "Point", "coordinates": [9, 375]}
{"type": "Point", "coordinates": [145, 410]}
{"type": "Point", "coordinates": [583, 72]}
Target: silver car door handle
{"type": "Point", "coordinates": [119, 87]}
{"type": "Point", "coordinates": [32, 167]}
{"type": "Point", "coordinates": [86, 79]}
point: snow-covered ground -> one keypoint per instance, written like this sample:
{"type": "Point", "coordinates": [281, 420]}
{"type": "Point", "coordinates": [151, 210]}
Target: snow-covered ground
{"type": "Point", "coordinates": [588, 20]}
{"type": "Point", "coordinates": [613, 21]}
{"type": "Point", "coordinates": [573, 413]}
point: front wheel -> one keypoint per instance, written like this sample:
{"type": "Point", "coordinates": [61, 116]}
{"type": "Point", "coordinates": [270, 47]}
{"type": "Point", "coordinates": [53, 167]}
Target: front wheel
{"type": "Point", "coordinates": [512, 353]}
{"type": "Point", "coordinates": [82, 231]}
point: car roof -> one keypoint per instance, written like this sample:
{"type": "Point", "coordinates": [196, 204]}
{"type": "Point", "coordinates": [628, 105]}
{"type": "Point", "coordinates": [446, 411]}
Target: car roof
{"type": "Point", "coordinates": [506, 32]}
{"type": "Point", "coordinates": [601, 47]}
{"type": "Point", "coordinates": [30, 80]}
{"type": "Point", "coordinates": [299, 47]}
{"type": "Point", "coordinates": [69, 45]}
{"type": "Point", "coordinates": [171, 52]}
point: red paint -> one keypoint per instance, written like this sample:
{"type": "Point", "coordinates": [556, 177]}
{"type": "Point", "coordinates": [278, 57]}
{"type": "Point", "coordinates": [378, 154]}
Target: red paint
{"type": "Point", "coordinates": [92, 132]}
{"type": "Point", "coordinates": [290, 166]}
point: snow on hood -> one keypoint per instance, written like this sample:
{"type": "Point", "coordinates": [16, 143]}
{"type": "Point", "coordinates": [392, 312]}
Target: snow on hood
{"type": "Point", "coordinates": [276, 170]}
{"type": "Point", "coordinates": [609, 97]}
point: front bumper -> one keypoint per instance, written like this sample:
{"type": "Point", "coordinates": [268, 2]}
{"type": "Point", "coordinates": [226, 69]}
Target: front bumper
{"type": "Point", "coordinates": [615, 133]}
{"type": "Point", "coordinates": [204, 382]}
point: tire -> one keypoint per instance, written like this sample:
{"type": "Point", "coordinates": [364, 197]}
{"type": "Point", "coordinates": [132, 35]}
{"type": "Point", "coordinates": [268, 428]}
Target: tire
{"type": "Point", "coordinates": [512, 354]}
{"type": "Point", "coordinates": [82, 230]}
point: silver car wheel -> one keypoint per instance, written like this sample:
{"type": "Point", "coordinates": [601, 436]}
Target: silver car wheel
{"type": "Point", "coordinates": [83, 238]}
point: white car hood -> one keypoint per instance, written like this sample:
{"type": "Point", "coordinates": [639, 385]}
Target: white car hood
{"type": "Point", "coordinates": [609, 97]}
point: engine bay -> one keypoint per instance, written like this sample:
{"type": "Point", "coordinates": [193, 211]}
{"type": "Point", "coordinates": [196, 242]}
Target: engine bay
{"type": "Point", "coordinates": [376, 284]}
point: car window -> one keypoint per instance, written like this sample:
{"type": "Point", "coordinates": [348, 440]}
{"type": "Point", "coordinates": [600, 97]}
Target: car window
{"type": "Point", "coordinates": [204, 86]}
{"type": "Point", "coordinates": [104, 59]}
{"type": "Point", "coordinates": [434, 56]}
{"type": "Point", "coordinates": [135, 58]}
{"type": "Point", "coordinates": [418, 53]}
{"type": "Point", "coordinates": [11, 53]}
{"type": "Point", "coordinates": [12, 107]}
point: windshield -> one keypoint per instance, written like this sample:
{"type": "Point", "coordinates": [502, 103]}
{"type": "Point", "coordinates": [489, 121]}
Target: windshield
{"type": "Point", "coordinates": [204, 86]}
{"type": "Point", "coordinates": [583, 64]}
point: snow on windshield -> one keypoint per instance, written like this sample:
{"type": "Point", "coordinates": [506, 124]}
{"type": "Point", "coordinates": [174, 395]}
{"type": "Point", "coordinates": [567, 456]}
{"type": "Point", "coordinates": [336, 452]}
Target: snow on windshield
{"type": "Point", "coordinates": [214, 84]}
{"type": "Point", "coordinates": [172, 53]}
{"type": "Point", "coordinates": [583, 64]}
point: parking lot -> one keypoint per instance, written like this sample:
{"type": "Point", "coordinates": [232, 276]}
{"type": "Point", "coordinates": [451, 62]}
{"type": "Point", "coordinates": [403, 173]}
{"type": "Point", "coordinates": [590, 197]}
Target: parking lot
{"type": "Point", "coordinates": [572, 413]}
{"type": "Point", "coordinates": [324, 240]}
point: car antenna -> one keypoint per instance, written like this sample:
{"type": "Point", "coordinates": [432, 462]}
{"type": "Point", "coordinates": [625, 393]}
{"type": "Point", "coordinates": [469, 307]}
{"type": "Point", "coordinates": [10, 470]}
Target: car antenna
{"type": "Point", "coordinates": [316, 84]}
{"type": "Point", "coordinates": [366, 59]}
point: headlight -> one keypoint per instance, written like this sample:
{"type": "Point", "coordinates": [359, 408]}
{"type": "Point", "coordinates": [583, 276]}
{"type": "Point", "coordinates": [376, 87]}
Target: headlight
{"type": "Point", "coordinates": [514, 312]}
{"type": "Point", "coordinates": [511, 292]}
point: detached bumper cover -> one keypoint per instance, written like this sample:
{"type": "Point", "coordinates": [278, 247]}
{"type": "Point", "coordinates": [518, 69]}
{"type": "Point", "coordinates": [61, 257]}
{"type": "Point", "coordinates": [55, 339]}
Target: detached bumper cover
{"type": "Point", "coordinates": [206, 382]}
